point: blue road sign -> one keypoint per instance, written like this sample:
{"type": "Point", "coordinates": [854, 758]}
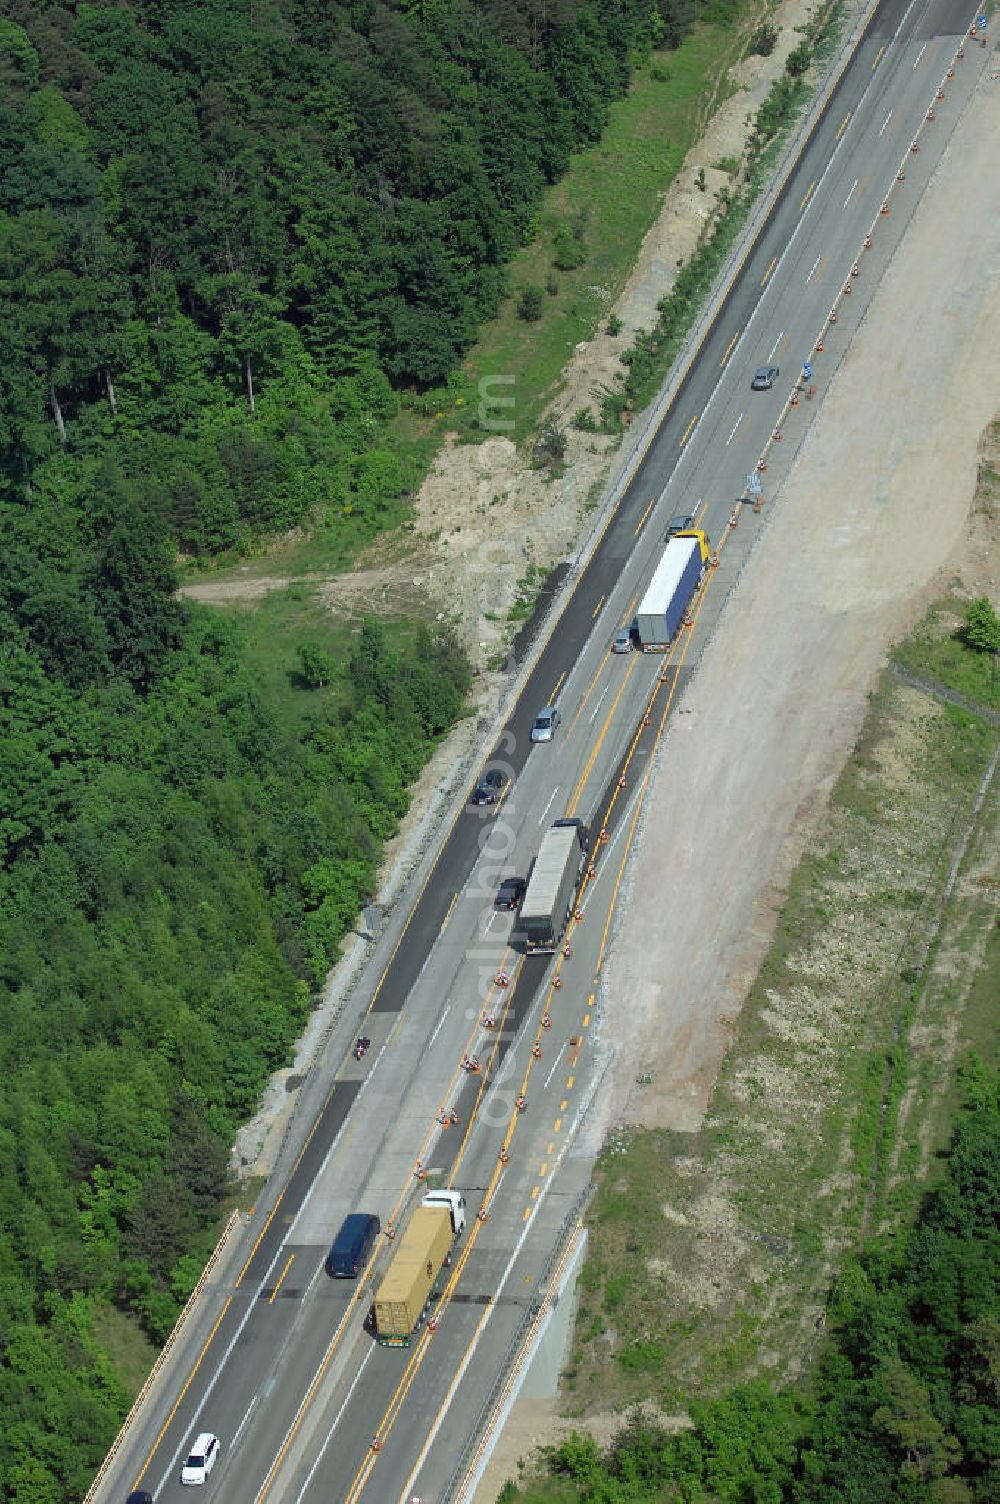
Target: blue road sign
{"type": "Point", "coordinates": [753, 484]}
{"type": "Point", "coordinates": [981, 23]}
{"type": "Point", "coordinates": [807, 370]}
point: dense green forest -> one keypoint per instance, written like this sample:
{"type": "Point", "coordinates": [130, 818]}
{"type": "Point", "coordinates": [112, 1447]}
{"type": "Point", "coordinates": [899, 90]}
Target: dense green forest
{"type": "Point", "coordinates": [233, 237]}
{"type": "Point", "coordinates": [903, 1406]}
{"type": "Point", "coordinates": [231, 232]}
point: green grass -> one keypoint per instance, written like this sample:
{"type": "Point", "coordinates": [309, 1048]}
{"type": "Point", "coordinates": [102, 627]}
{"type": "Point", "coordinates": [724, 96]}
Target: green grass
{"type": "Point", "coordinates": [132, 1355]}
{"type": "Point", "coordinates": [936, 650]}
{"type": "Point", "coordinates": [618, 184]}
{"type": "Point", "coordinates": [886, 1089]}
{"type": "Point", "coordinates": [274, 626]}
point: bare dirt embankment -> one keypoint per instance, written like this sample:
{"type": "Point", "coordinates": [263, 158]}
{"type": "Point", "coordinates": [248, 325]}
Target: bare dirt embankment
{"type": "Point", "coordinates": [875, 522]}
{"type": "Point", "coordinates": [484, 513]}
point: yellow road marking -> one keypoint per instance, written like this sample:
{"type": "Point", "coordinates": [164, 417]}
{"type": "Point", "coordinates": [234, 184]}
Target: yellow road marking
{"type": "Point", "coordinates": [274, 1209]}
{"type": "Point", "coordinates": [878, 58]}
{"type": "Point", "coordinates": [844, 124]}
{"type": "Point", "coordinates": [586, 1020]}
{"type": "Point", "coordinates": [600, 669]}
{"type": "Point", "coordinates": [545, 1168]}
{"type": "Point", "coordinates": [527, 1213]}
{"type": "Point", "coordinates": [767, 275]}
{"type": "Point", "coordinates": [344, 1146]}
{"type": "Point", "coordinates": [687, 432]}
{"type": "Point", "coordinates": [569, 1083]}
{"type": "Point", "coordinates": [729, 348]}
{"type": "Point", "coordinates": [454, 901]}
{"type": "Point", "coordinates": [187, 1385]}
{"type": "Point", "coordinates": [534, 1192]}
{"type": "Point", "coordinates": [274, 1292]}
{"type": "Point", "coordinates": [557, 1125]}
{"type": "Point", "coordinates": [588, 769]}
{"type": "Point", "coordinates": [808, 195]}
{"type": "Point", "coordinates": [558, 684]}
{"type": "Point", "coordinates": [600, 603]}
{"type": "Point", "coordinates": [638, 526]}
{"type": "Point", "coordinates": [554, 625]}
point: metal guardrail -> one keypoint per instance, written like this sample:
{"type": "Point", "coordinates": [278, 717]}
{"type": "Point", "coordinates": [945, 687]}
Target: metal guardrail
{"type": "Point", "coordinates": [454, 1489]}
{"type": "Point", "coordinates": [142, 1396]}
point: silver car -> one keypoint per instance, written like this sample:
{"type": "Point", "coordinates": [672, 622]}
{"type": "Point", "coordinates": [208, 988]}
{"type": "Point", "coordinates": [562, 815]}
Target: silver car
{"type": "Point", "coordinates": [545, 725]}
{"type": "Point", "coordinates": [623, 640]}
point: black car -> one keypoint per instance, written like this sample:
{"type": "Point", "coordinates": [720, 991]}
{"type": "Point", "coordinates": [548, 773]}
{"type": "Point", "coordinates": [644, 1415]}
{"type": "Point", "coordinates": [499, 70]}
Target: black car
{"type": "Point", "coordinates": [764, 378]}
{"type": "Point", "coordinates": [490, 787]}
{"type": "Point", "coordinates": [140, 1496]}
{"type": "Point", "coordinates": [510, 893]}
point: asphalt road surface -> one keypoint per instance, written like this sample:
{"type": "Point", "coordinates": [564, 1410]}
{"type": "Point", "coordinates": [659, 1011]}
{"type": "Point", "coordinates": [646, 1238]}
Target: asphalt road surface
{"type": "Point", "coordinates": [275, 1359]}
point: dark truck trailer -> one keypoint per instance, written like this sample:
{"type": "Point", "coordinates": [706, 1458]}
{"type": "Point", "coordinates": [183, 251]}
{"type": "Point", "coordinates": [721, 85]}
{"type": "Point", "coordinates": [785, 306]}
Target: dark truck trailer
{"type": "Point", "coordinates": [662, 608]}
{"type": "Point", "coordinates": [553, 885]}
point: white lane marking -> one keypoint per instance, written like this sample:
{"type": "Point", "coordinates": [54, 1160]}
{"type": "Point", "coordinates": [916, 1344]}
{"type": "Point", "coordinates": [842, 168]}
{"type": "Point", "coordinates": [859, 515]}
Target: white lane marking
{"type": "Point", "coordinates": [620, 828]}
{"type": "Point", "coordinates": [555, 1063]}
{"type": "Point", "coordinates": [470, 1350]}
{"type": "Point", "coordinates": [902, 23]}
{"type": "Point", "coordinates": [330, 1434]}
{"type": "Point", "coordinates": [239, 1428]}
{"type": "Point", "coordinates": [488, 927]}
{"type": "Point", "coordinates": [549, 805]}
{"type": "Point", "coordinates": [847, 200]}
{"type": "Point", "coordinates": [597, 707]}
{"type": "Point", "coordinates": [736, 425]}
{"type": "Point", "coordinates": [885, 122]}
{"type": "Point", "coordinates": [813, 268]}
{"type": "Point", "coordinates": [440, 1023]}
{"type": "Point", "coordinates": [776, 343]}
{"type": "Point", "coordinates": [689, 448]}
{"type": "Point", "coordinates": [920, 54]}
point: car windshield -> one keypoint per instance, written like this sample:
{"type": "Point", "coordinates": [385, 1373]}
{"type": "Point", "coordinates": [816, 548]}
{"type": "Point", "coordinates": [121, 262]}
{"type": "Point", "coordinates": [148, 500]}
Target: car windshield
{"type": "Point", "coordinates": [197, 1459]}
{"type": "Point", "coordinates": [543, 720]}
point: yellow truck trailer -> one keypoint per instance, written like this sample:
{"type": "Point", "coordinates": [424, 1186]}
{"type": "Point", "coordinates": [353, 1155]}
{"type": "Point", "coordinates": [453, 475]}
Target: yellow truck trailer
{"type": "Point", "coordinates": [411, 1280]}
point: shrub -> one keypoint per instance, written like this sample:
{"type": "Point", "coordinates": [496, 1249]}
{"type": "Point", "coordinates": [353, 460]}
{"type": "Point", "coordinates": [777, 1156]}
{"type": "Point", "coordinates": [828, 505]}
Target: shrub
{"type": "Point", "coordinates": [529, 304]}
{"type": "Point", "coordinates": [764, 39]}
{"type": "Point", "coordinates": [568, 250]}
{"type": "Point", "coordinates": [550, 448]}
{"type": "Point", "coordinates": [981, 630]}
{"type": "Point", "coordinates": [797, 62]}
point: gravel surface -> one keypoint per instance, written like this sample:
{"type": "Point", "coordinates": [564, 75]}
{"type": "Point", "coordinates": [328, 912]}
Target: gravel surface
{"type": "Point", "coordinates": [872, 523]}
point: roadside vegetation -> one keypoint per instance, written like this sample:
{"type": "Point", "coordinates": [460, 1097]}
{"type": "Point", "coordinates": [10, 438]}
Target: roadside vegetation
{"type": "Point", "coordinates": [654, 351]}
{"type": "Point", "coordinates": [902, 1403]}
{"type": "Point", "coordinates": [803, 1281]}
{"type": "Point", "coordinates": [243, 252]}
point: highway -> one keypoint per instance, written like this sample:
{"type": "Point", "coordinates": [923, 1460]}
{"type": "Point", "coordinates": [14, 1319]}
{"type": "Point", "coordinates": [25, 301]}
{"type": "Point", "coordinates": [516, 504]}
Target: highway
{"type": "Point", "coordinates": [275, 1358]}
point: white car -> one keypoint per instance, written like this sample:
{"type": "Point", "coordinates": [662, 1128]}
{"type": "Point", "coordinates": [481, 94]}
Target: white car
{"type": "Point", "coordinates": [201, 1459]}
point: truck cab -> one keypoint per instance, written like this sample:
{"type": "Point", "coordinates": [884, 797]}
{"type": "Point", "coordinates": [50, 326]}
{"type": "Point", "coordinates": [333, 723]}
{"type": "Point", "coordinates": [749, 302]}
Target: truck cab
{"type": "Point", "coordinates": [455, 1203]}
